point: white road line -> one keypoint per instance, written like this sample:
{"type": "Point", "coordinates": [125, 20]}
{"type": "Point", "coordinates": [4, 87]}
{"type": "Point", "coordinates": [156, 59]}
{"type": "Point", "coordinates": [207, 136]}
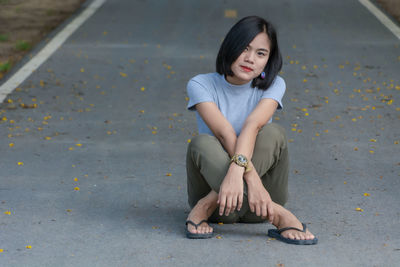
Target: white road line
{"type": "Point", "coordinates": [382, 17]}
{"type": "Point", "coordinates": [23, 73]}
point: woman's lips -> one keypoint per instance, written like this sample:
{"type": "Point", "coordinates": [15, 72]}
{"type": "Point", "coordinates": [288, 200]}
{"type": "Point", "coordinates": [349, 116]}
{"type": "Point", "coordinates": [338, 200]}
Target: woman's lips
{"type": "Point", "coordinates": [246, 69]}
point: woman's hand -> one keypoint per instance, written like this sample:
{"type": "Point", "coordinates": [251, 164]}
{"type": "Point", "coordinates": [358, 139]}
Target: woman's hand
{"type": "Point", "coordinates": [259, 199]}
{"type": "Point", "coordinates": [230, 195]}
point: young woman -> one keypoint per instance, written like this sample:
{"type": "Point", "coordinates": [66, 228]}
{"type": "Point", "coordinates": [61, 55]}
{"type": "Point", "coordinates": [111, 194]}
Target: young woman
{"type": "Point", "coordinates": [237, 167]}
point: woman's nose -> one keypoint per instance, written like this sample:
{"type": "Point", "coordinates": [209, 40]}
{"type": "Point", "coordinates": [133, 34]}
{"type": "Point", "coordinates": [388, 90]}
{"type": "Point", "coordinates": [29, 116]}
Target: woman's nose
{"type": "Point", "coordinates": [249, 57]}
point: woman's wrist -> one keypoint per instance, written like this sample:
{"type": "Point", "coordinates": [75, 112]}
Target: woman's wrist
{"type": "Point", "coordinates": [251, 177]}
{"type": "Point", "coordinates": [236, 168]}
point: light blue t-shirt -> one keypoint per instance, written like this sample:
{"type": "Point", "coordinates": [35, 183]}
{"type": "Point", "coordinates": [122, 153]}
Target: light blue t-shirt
{"type": "Point", "coordinates": [235, 102]}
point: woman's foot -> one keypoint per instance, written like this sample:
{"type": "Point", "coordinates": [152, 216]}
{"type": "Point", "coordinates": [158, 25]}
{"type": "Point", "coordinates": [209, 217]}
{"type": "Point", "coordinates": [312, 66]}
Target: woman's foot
{"type": "Point", "coordinates": [202, 211]}
{"type": "Point", "coordinates": [284, 218]}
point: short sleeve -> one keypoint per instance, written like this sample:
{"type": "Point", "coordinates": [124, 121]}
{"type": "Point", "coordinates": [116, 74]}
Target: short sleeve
{"type": "Point", "coordinates": [276, 91]}
{"type": "Point", "coordinates": [198, 92]}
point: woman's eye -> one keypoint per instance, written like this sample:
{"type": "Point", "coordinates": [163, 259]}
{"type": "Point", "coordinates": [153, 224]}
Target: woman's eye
{"type": "Point", "coordinates": [261, 54]}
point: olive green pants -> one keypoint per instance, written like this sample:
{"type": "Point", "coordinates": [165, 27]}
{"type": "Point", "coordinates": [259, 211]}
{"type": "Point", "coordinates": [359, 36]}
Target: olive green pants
{"type": "Point", "coordinates": [207, 164]}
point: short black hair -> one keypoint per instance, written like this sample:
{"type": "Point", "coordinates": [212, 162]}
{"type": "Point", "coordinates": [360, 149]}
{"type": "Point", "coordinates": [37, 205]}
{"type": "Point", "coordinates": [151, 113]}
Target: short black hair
{"type": "Point", "coordinates": [236, 41]}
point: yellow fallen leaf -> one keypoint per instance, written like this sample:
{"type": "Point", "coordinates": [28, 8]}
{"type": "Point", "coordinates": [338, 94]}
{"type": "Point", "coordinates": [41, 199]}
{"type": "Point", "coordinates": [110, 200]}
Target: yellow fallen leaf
{"type": "Point", "coordinates": [7, 212]}
{"type": "Point", "coordinates": [218, 237]}
{"type": "Point", "coordinates": [359, 209]}
{"type": "Point", "coordinates": [77, 189]}
{"type": "Point", "coordinates": [47, 138]}
{"type": "Point", "coordinates": [142, 89]}
{"type": "Point", "coordinates": [168, 174]}
{"type": "Point", "coordinates": [123, 74]}
{"type": "Point", "coordinates": [230, 13]}
{"type": "Point", "coordinates": [78, 145]}
{"type": "Point", "coordinates": [69, 210]}
{"type": "Point", "coordinates": [76, 179]}
{"type": "Point", "coordinates": [372, 140]}
{"type": "Point", "coordinates": [220, 223]}
{"type": "Point", "coordinates": [366, 194]}
{"type": "Point", "coordinates": [189, 140]}
{"type": "Point", "coordinates": [11, 145]}
{"type": "Point", "coordinates": [82, 70]}
{"type": "Point", "coordinates": [371, 151]}
{"type": "Point", "coordinates": [1, 250]}
{"type": "Point", "coordinates": [20, 163]}
{"type": "Point", "coordinates": [29, 247]}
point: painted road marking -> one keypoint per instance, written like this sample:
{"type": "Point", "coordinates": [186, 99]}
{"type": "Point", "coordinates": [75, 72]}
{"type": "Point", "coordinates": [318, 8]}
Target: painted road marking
{"type": "Point", "coordinates": [23, 73]}
{"type": "Point", "coordinates": [382, 17]}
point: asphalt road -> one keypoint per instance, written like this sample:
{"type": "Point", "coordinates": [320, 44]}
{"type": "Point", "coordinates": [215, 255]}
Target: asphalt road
{"type": "Point", "coordinates": [94, 173]}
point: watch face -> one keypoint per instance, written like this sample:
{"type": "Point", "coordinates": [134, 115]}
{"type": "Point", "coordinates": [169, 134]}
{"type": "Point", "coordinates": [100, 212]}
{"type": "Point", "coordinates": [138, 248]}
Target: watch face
{"type": "Point", "coordinates": [241, 159]}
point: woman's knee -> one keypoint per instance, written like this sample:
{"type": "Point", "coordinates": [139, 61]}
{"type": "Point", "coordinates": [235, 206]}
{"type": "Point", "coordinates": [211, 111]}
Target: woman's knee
{"type": "Point", "coordinates": [271, 136]}
{"type": "Point", "coordinates": [201, 142]}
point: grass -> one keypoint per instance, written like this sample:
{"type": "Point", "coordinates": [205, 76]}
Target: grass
{"type": "Point", "coordinates": [3, 37]}
{"type": "Point", "coordinates": [4, 67]}
{"type": "Point", "coordinates": [23, 45]}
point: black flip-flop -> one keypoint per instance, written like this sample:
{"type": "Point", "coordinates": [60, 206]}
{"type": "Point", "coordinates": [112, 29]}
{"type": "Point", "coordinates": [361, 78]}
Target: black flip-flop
{"type": "Point", "coordinates": [276, 233]}
{"type": "Point", "coordinates": [194, 235]}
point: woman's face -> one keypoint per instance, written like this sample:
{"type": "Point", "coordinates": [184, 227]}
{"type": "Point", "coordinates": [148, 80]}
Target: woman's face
{"type": "Point", "coordinates": [252, 61]}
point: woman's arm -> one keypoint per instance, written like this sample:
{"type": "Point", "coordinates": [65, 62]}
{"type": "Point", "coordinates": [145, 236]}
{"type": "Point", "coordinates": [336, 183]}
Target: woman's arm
{"type": "Point", "coordinates": [258, 197]}
{"type": "Point", "coordinates": [253, 124]}
{"type": "Point", "coordinates": [219, 125]}
{"type": "Point", "coordinates": [230, 195]}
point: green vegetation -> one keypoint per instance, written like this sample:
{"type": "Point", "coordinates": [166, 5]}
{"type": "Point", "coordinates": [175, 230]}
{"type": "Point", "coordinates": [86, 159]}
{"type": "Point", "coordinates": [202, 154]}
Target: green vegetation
{"type": "Point", "coordinates": [3, 37]}
{"type": "Point", "coordinates": [23, 45]}
{"type": "Point", "coordinates": [4, 67]}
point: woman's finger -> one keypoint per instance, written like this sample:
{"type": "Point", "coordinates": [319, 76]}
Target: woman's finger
{"type": "Point", "coordinates": [234, 203]}
{"type": "Point", "coordinates": [270, 212]}
{"type": "Point", "coordinates": [222, 201]}
{"type": "Point", "coordinates": [258, 210]}
{"type": "Point", "coordinates": [228, 205]}
{"type": "Point", "coordinates": [264, 211]}
{"type": "Point", "coordinates": [240, 202]}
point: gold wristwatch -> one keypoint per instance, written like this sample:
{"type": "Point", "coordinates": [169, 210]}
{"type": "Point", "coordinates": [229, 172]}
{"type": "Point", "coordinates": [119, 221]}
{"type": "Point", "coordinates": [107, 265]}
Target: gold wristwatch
{"type": "Point", "coordinates": [242, 161]}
